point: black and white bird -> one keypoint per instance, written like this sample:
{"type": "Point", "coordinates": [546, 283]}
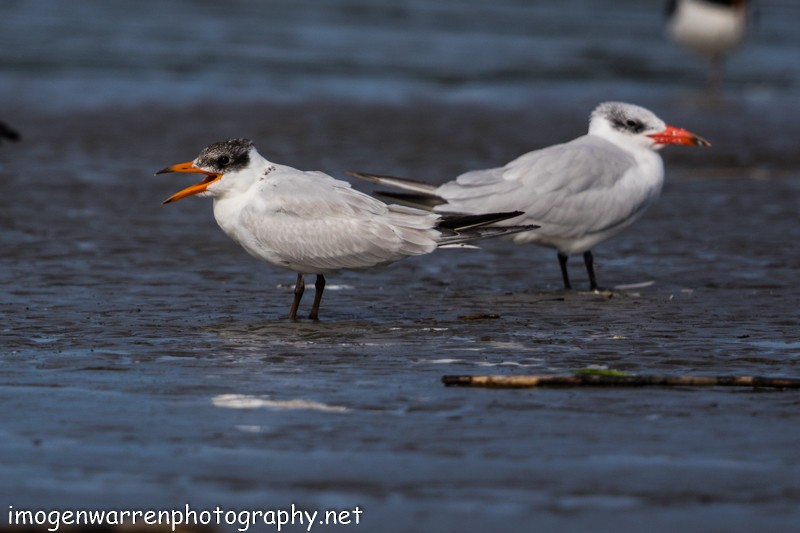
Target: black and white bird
{"type": "Point", "coordinates": [580, 193]}
{"type": "Point", "coordinates": [311, 223]}
{"type": "Point", "coordinates": [711, 29]}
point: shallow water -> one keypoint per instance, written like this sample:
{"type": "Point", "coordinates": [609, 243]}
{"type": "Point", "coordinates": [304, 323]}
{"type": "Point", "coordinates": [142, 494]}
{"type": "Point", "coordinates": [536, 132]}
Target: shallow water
{"type": "Point", "coordinates": [146, 361]}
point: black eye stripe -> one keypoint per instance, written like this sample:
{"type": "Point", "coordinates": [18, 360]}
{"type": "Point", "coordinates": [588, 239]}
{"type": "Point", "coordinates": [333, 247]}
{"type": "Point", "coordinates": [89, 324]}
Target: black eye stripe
{"type": "Point", "coordinates": [630, 124]}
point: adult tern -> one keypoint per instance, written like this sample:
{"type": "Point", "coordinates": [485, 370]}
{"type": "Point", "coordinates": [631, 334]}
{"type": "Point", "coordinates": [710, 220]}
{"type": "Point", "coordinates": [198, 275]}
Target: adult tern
{"type": "Point", "coordinates": [581, 193]}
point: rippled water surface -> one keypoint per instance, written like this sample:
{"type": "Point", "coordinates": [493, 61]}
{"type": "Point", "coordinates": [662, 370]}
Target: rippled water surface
{"type": "Point", "coordinates": [145, 361]}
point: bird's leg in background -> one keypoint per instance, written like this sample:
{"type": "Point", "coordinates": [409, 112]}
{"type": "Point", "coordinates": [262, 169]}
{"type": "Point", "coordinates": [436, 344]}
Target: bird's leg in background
{"type": "Point", "coordinates": [319, 286]}
{"type": "Point", "coordinates": [562, 261]}
{"type": "Point", "coordinates": [299, 288]}
{"type": "Point", "coordinates": [715, 74]}
{"type": "Point", "coordinates": [588, 260]}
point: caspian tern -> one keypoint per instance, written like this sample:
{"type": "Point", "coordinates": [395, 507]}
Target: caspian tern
{"type": "Point", "coordinates": [581, 192]}
{"type": "Point", "coordinates": [709, 28]}
{"type": "Point", "coordinates": [311, 223]}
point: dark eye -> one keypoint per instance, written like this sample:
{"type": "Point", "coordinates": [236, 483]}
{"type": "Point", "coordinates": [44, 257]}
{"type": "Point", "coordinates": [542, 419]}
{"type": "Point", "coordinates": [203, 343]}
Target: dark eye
{"type": "Point", "coordinates": [223, 160]}
{"type": "Point", "coordinates": [634, 126]}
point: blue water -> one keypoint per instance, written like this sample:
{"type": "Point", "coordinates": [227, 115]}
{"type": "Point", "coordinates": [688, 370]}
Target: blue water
{"type": "Point", "coordinates": [510, 53]}
{"type": "Point", "coordinates": [146, 361]}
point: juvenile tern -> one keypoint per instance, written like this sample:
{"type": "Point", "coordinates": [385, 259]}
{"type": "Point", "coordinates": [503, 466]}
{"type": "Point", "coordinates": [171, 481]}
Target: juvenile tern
{"type": "Point", "coordinates": [581, 193]}
{"type": "Point", "coordinates": [311, 223]}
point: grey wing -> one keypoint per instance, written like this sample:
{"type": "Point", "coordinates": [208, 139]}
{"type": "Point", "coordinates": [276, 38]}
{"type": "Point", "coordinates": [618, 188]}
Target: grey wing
{"type": "Point", "coordinates": [317, 224]}
{"type": "Point", "coordinates": [573, 186]}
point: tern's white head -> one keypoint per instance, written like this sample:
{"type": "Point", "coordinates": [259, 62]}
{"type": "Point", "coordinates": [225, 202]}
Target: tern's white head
{"type": "Point", "coordinates": [631, 126]}
{"type": "Point", "coordinates": [225, 165]}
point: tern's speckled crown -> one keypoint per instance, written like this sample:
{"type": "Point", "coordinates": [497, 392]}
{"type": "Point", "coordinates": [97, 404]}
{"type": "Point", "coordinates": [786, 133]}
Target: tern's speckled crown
{"type": "Point", "coordinates": [628, 118]}
{"type": "Point", "coordinates": [225, 156]}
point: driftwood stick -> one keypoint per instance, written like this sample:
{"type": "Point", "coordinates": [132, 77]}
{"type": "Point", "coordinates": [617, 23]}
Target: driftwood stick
{"type": "Point", "coordinates": [593, 380]}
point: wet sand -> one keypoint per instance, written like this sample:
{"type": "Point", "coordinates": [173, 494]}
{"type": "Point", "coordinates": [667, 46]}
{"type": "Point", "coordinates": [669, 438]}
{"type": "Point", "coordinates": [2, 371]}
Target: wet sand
{"type": "Point", "coordinates": [129, 326]}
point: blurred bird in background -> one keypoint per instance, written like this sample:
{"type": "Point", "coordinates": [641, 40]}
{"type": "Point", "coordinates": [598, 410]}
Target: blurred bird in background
{"type": "Point", "coordinates": [709, 28]}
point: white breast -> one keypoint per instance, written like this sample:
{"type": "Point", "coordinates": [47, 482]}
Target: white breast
{"type": "Point", "coordinates": [708, 29]}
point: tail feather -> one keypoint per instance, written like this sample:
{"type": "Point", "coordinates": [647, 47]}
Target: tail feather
{"type": "Point", "coordinates": [459, 229]}
{"type": "Point", "coordinates": [460, 222]}
{"type": "Point", "coordinates": [475, 234]}
{"type": "Point", "coordinates": [419, 194]}
{"type": "Point", "coordinates": [393, 181]}
{"type": "Point", "coordinates": [420, 201]}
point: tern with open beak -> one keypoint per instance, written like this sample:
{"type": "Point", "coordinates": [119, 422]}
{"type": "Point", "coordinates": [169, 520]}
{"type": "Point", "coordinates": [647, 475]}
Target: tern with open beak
{"type": "Point", "coordinates": [311, 223]}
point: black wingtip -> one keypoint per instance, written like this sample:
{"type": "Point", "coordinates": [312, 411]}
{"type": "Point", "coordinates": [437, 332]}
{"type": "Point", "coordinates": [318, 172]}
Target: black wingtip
{"type": "Point", "coordinates": [427, 201]}
{"type": "Point", "coordinates": [460, 222]}
{"type": "Point", "coordinates": [362, 175]}
{"type": "Point", "coordinates": [382, 178]}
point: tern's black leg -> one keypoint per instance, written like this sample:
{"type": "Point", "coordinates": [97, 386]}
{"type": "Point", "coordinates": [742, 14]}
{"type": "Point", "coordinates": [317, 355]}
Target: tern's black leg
{"type": "Point", "coordinates": [299, 288]}
{"type": "Point", "coordinates": [562, 261]}
{"type": "Point", "coordinates": [588, 260]}
{"type": "Point", "coordinates": [319, 285]}
{"type": "Point", "coordinates": [716, 74]}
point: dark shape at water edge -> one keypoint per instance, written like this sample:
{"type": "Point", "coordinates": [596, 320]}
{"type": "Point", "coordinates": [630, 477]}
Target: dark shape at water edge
{"type": "Point", "coordinates": [6, 132]}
